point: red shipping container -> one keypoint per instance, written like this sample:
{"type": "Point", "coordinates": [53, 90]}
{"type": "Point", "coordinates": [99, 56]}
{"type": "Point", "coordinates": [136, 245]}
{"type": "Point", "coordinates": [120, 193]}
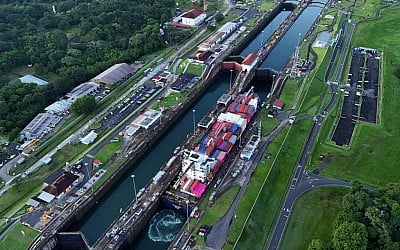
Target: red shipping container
{"type": "Point", "coordinates": [209, 150]}
{"type": "Point", "coordinates": [194, 185]}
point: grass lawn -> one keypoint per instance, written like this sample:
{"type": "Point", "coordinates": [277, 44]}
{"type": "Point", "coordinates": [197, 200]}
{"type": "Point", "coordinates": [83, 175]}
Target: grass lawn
{"type": "Point", "coordinates": [290, 91]}
{"type": "Point", "coordinates": [312, 217]}
{"type": "Point", "coordinates": [182, 66]}
{"type": "Point", "coordinates": [217, 210]}
{"type": "Point", "coordinates": [366, 10]}
{"type": "Point", "coordinates": [317, 92]}
{"type": "Point", "coordinates": [105, 154]}
{"type": "Point", "coordinates": [276, 174]}
{"type": "Point", "coordinates": [172, 98]}
{"type": "Point", "coordinates": [373, 154]}
{"type": "Point", "coordinates": [19, 238]}
{"type": "Point", "coordinates": [266, 6]}
{"type": "Point", "coordinates": [195, 69]}
{"type": "Point", "coordinates": [15, 197]}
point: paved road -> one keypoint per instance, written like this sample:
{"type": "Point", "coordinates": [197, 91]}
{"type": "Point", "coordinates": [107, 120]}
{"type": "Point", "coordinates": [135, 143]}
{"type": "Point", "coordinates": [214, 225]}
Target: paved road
{"type": "Point", "coordinates": [301, 180]}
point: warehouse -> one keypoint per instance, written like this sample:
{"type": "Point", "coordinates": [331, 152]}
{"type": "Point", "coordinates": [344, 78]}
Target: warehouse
{"type": "Point", "coordinates": [82, 90]}
{"type": "Point", "coordinates": [114, 74]}
{"type": "Point", "coordinates": [39, 126]}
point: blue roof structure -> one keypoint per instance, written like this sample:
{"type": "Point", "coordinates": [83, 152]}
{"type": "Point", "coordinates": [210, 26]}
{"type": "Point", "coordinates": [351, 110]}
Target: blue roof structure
{"type": "Point", "coordinates": [33, 79]}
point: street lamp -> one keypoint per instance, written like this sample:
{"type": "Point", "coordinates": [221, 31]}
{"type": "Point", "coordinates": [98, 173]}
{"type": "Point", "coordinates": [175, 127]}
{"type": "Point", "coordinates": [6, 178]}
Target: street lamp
{"type": "Point", "coordinates": [194, 121]}
{"type": "Point", "coordinates": [187, 214]}
{"type": "Point", "coordinates": [273, 79]}
{"type": "Point", "coordinates": [298, 40]}
{"type": "Point", "coordinates": [230, 81]}
{"type": "Point", "coordinates": [134, 186]}
{"type": "Point", "coordinates": [159, 107]}
{"type": "Point", "coordinates": [262, 38]}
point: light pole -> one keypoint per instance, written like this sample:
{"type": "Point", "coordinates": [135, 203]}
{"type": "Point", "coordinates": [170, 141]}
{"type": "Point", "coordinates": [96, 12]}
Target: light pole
{"type": "Point", "coordinates": [262, 38]}
{"type": "Point", "coordinates": [187, 214]}
{"type": "Point", "coordinates": [230, 81]}
{"type": "Point", "coordinates": [159, 107]}
{"type": "Point", "coordinates": [273, 79]}
{"type": "Point", "coordinates": [298, 40]}
{"type": "Point", "coordinates": [134, 186]}
{"type": "Point", "coordinates": [194, 121]}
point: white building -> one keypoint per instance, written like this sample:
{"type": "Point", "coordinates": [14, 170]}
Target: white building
{"type": "Point", "coordinates": [249, 62]}
{"type": "Point", "coordinates": [33, 79]}
{"type": "Point", "coordinates": [89, 138]}
{"type": "Point", "coordinates": [193, 17]}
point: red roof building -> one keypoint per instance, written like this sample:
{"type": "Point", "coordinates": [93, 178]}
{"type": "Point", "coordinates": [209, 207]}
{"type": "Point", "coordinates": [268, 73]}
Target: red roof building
{"type": "Point", "coordinates": [249, 62]}
{"type": "Point", "coordinates": [278, 104]}
{"type": "Point", "coordinates": [60, 185]}
{"type": "Point", "coordinates": [96, 163]}
{"type": "Point", "coordinates": [193, 17]}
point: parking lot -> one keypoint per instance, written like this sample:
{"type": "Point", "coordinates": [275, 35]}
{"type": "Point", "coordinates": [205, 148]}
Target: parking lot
{"type": "Point", "coordinates": [129, 105]}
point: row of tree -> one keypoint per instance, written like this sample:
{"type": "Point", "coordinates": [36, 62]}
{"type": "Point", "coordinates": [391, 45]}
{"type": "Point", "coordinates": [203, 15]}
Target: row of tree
{"type": "Point", "coordinates": [368, 219]}
{"type": "Point", "coordinates": [74, 44]}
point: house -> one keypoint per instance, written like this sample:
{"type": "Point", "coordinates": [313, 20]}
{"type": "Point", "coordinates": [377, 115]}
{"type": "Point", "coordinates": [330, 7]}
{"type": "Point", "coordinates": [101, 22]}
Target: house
{"type": "Point", "coordinates": [193, 17]}
{"type": "Point", "coordinates": [278, 104]}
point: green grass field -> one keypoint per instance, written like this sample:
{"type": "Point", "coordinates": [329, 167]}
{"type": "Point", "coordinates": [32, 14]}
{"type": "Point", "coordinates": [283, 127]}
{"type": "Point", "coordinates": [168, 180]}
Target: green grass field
{"type": "Point", "coordinates": [195, 69]}
{"type": "Point", "coordinates": [290, 91]}
{"type": "Point", "coordinates": [261, 219]}
{"type": "Point", "coordinates": [373, 154]}
{"type": "Point", "coordinates": [19, 238]}
{"type": "Point", "coordinates": [105, 154]}
{"type": "Point", "coordinates": [367, 9]}
{"type": "Point", "coordinates": [16, 197]}
{"type": "Point", "coordinates": [266, 6]}
{"type": "Point", "coordinates": [312, 217]}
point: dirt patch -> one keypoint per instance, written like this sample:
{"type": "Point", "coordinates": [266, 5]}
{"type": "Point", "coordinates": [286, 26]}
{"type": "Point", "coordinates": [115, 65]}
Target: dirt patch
{"type": "Point", "coordinates": [325, 161]}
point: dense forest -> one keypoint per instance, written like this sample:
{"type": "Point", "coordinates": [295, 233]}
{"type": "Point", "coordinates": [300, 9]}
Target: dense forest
{"type": "Point", "coordinates": [368, 219]}
{"type": "Point", "coordinates": [74, 43]}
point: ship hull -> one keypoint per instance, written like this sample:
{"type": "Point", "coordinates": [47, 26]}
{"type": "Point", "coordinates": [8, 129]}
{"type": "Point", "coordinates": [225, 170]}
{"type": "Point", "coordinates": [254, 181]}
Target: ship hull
{"type": "Point", "coordinates": [180, 208]}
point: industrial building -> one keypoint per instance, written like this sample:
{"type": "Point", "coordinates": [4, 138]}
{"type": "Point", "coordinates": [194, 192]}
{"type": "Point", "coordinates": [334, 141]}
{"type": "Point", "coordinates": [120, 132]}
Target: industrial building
{"type": "Point", "coordinates": [147, 119]}
{"type": "Point", "coordinates": [218, 36]}
{"type": "Point", "coordinates": [82, 90]}
{"type": "Point", "coordinates": [39, 126]}
{"type": "Point", "coordinates": [114, 74]}
{"type": "Point", "coordinates": [60, 183]}
{"type": "Point", "coordinates": [59, 107]}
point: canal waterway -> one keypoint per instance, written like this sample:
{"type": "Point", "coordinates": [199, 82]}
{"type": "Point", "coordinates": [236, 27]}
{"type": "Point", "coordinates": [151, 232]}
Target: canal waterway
{"type": "Point", "coordinates": [102, 214]}
{"type": "Point", "coordinates": [281, 53]}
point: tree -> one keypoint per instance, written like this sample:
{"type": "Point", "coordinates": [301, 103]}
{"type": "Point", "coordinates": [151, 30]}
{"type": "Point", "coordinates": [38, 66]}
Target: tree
{"type": "Point", "coordinates": [219, 17]}
{"type": "Point", "coordinates": [84, 105]}
{"type": "Point", "coordinates": [317, 244]}
{"type": "Point", "coordinates": [350, 235]}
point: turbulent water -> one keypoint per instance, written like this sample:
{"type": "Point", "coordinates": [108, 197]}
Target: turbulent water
{"type": "Point", "coordinates": [165, 225]}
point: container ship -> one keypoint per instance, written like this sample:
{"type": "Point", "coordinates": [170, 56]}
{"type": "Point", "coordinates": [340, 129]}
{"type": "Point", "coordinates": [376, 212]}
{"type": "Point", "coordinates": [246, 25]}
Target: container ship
{"type": "Point", "coordinates": [200, 164]}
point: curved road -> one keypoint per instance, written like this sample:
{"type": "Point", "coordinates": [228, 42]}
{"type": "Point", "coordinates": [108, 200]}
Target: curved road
{"type": "Point", "coordinates": [301, 180]}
